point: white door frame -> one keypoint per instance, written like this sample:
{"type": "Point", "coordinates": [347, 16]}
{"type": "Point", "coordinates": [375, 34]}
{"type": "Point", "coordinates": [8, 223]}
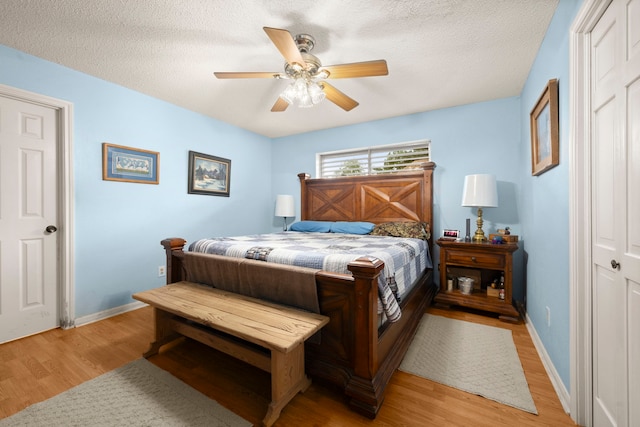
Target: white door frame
{"type": "Point", "coordinates": [580, 259]}
{"type": "Point", "coordinates": [64, 111]}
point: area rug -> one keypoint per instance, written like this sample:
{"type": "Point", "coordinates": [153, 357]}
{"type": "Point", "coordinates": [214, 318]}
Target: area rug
{"type": "Point", "coordinates": [478, 359]}
{"type": "Point", "coordinates": [137, 394]}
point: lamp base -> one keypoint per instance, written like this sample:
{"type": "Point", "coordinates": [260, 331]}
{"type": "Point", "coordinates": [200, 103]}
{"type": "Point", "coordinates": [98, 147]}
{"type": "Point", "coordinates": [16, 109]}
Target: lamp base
{"type": "Point", "coordinates": [479, 235]}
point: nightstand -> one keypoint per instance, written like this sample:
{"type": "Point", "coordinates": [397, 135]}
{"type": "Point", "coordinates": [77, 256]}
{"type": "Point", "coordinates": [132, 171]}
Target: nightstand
{"type": "Point", "coordinates": [486, 261]}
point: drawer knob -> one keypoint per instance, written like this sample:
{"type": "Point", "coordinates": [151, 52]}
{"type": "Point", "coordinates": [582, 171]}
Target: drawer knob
{"type": "Point", "coordinates": [473, 259]}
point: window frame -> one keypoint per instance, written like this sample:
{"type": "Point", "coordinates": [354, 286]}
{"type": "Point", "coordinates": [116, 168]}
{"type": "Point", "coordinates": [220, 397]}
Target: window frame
{"type": "Point", "coordinates": [366, 154]}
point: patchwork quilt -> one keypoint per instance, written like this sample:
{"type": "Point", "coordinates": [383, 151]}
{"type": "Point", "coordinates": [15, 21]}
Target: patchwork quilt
{"type": "Point", "coordinates": [404, 258]}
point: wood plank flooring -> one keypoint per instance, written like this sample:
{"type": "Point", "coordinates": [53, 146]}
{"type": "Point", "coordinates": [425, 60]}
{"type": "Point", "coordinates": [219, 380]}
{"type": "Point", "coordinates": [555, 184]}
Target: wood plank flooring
{"type": "Point", "coordinates": [39, 367]}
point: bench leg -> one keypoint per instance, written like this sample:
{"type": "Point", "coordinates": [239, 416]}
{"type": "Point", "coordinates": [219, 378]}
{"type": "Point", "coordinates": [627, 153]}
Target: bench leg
{"type": "Point", "coordinates": [163, 332]}
{"type": "Point", "coordinates": [287, 379]}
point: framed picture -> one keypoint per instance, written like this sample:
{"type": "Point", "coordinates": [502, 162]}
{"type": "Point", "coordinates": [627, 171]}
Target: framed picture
{"type": "Point", "coordinates": [129, 164]}
{"type": "Point", "coordinates": [209, 174]}
{"type": "Point", "coordinates": [544, 130]}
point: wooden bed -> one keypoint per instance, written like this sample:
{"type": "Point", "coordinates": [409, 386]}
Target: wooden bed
{"type": "Point", "coordinates": [354, 353]}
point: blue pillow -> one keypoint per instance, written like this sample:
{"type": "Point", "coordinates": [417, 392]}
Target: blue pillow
{"type": "Point", "coordinates": [316, 226]}
{"type": "Point", "coordinates": [352, 227]}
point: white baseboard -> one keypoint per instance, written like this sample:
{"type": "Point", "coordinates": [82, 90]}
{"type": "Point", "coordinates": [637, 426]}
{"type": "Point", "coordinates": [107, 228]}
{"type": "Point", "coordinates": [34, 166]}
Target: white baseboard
{"type": "Point", "coordinates": [556, 381]}
{"type": "Point", "coordinates": [101, 315]}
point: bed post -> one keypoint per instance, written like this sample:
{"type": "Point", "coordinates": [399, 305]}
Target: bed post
{"type": "Point", "coordinates": [366, 393]}
{"type": "Point", "coordinates": [427, 194]}
{"type": "Point", "coordinates": [303, 195]}
{"type": "Point", "coordinates": [173, 247]}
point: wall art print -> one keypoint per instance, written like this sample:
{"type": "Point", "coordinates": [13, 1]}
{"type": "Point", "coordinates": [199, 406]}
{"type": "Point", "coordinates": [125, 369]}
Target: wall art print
{"type": "Point", "coordinates": [544, 130]}
{"type": "Point", "coordinates": [209, 175]}
{"type": "Point", "coordinates": [129, 164]}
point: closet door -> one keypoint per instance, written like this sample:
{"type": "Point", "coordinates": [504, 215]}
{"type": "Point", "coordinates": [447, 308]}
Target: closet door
{"type": "Point", "coordinates": [615, 169]}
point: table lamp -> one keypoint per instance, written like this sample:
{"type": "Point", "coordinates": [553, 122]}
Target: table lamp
{"type": "Point", "coordinates": [285, 208]}
{"type": "Point", "coordinates": [480, 191]}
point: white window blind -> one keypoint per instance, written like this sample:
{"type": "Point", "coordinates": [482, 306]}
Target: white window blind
{"type": "Point", "coordinates": [373, 160]}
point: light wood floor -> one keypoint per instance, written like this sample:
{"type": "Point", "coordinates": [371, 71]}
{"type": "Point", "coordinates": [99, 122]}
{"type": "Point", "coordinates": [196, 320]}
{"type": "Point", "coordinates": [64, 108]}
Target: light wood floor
{"type": "Point", "coordinates": [38, 367]}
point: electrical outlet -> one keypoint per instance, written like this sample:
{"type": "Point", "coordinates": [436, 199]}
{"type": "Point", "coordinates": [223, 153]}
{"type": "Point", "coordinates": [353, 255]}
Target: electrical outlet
{"type": "Point", "coordinates": [161, 271]}
{"type": "Point", "coordinates": [548, 317]}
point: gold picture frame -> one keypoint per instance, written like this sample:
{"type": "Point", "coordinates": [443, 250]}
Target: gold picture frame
{"type": "Point", "coordinates": [545, 153]}
{"type": "Point", "coordinates": [128, 164]}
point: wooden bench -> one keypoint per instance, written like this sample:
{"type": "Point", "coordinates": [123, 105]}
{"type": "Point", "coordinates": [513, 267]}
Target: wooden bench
{"type": "Point", "coordinates": [183, 308]}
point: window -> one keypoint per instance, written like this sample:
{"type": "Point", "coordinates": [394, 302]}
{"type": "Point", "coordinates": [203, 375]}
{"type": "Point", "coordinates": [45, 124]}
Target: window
{"type": "Point", "coordinates": [373, 160]}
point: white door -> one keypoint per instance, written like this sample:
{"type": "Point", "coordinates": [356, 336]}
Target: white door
{"type": "Point", "coordinates": [28, 207]}
{"type": "Point", "coordinates": [615, 54]}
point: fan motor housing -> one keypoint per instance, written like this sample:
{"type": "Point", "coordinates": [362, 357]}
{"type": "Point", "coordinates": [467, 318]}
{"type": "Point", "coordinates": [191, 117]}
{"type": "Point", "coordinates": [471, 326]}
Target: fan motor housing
{"type": "Point", "coordinates": [305, 42]}
{"type": "Point", "coordinates": [311, 66]}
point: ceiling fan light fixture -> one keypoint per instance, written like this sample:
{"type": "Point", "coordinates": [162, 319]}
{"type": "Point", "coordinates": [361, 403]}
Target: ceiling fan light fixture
{"type": "Point", "coordinates": [306, 93]}
{"type": "Point", "coordinates": [305, 101]}
{"type": "Point", "coordinates": [289, 94]}
{"type": "Point", "coordinates": [316, 92]}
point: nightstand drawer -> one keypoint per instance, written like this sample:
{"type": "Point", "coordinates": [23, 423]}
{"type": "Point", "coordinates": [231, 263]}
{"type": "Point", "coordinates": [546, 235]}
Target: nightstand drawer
{"type": "Point", "coordinates": [470, 259]}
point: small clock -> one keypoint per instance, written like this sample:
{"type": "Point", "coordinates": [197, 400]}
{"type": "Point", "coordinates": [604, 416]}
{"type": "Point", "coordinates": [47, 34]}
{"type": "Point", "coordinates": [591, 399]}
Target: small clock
{"type": "Point", "coordinates": [451, 234]}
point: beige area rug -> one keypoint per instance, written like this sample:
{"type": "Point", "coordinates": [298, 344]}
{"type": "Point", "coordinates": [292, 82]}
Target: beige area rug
{"type": "Point", "coordinates": [479, 359]}
{"type": "Point", "coordinates": [137, 394]}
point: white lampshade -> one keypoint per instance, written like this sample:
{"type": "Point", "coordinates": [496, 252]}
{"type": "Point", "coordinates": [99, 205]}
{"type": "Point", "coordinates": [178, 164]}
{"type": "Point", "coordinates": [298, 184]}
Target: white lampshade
{"type": "Point", "coordinates": [480, 190]}
{"type": "Point", "coordinates": [285, 206]}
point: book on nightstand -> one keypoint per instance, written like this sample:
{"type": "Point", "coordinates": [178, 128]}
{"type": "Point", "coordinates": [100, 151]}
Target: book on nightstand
{"type": "Point", "coordinates": [508, 238]}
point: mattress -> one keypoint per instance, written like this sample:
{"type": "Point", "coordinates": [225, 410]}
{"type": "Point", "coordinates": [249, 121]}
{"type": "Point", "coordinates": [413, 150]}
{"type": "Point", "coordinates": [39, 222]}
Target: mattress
{"type": "Point", "coordinates": [404, 259]}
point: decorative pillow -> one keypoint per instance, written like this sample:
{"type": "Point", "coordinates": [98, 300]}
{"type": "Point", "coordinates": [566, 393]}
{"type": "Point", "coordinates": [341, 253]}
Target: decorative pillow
{"type": "Point", "coordinates": [352, 227]}
{"type": "Point", "coordinates": [316, 226]}
{"type": "Point", "coordinates": [412, 229]}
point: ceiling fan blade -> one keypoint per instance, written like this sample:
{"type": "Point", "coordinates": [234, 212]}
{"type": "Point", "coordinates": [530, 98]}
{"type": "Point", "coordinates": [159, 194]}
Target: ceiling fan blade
{"type": "Point", "coordinates": [285, 44]}
{"type": "Point", "coordinates": [280, 105]}
{"type": "Point", "coordinates": [338, 98]}
{"type": "Point", "coordinates": [357, 69]}
{"type": "Point", "coordinates": [247, 75]}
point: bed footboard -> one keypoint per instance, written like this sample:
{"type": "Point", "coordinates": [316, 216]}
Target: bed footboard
{"type": "Point", "coordinates": [352, 353]}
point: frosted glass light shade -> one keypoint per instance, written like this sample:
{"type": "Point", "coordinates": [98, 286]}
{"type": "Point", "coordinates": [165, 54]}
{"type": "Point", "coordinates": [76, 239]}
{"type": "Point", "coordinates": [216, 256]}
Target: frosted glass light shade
{"type": "Point", "coordinates": [285, 206]}
{"type": "Point", "coordinates": [480, 190]}
{"type": "Point", "coordinates": [307, 92]}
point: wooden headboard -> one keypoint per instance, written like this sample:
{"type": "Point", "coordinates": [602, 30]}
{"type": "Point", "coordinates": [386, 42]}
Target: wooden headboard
{"type": "Point", "coordinates": [406, 196]}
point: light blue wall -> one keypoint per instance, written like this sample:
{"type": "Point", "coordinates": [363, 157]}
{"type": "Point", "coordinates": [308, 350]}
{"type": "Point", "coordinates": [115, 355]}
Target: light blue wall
{"type": "Point", "coordinates": [118, 226]}
{"type": "Point", "coordinates": [545, 199]}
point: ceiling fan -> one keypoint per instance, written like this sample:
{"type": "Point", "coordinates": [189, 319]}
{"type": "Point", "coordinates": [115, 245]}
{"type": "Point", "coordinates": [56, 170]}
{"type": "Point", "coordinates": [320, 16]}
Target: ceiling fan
{"type": "Point", "coordinates": [309, 86]}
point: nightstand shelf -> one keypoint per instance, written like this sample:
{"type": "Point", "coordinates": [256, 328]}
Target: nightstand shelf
{"type": "Point", "coordinates": [488, 261]}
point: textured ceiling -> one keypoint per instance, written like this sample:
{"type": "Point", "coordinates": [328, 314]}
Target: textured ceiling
{"type": "Point", "coordinates": [440, 53]}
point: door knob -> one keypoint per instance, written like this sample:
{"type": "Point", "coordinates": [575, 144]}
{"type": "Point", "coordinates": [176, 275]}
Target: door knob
{"type": "Point", "coordinates": [51, 229]}
{"type": "Point", "coordinates": [615, 264]}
